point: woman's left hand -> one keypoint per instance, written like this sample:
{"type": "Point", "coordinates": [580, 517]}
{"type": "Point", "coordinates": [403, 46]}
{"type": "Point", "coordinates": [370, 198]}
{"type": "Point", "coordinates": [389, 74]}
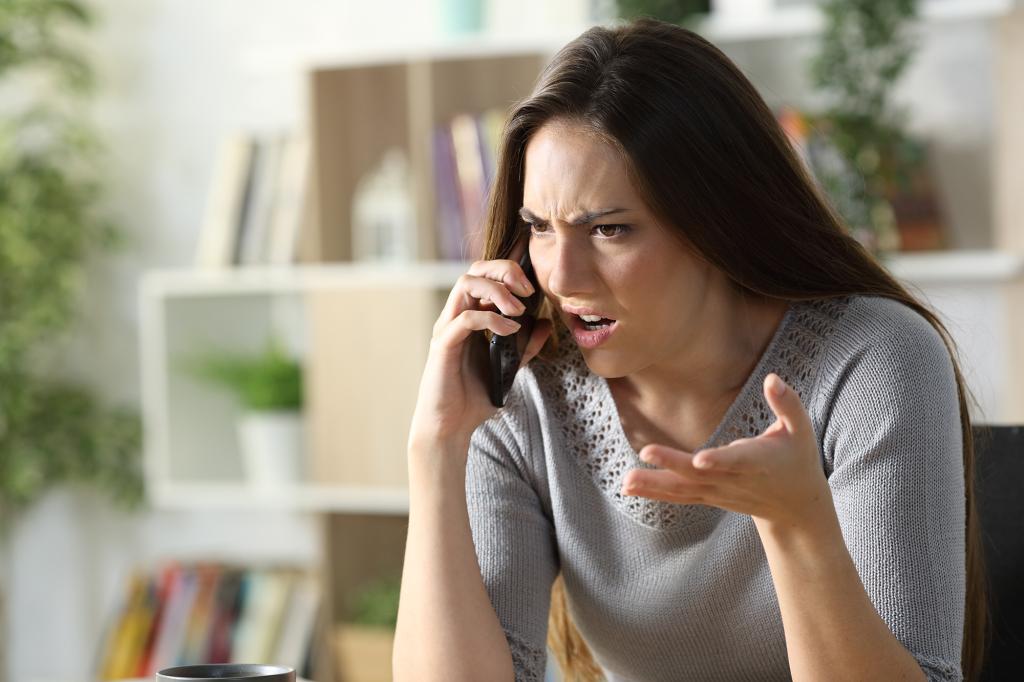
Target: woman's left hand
{"type": "Point", "coordinates": [776, 477]}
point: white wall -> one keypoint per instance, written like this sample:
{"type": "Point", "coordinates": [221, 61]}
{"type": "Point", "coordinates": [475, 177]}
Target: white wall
{"type": "Point", "coordinates": [179, 74]}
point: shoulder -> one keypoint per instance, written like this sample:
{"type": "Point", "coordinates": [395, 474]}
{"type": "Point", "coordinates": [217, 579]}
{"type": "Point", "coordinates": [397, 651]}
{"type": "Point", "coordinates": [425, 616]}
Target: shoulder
{"type": "Point", "coordinates": [886, 368]}
{"type": "Point", "coordinates": [887, 339]}
{"type": "Point", "coordinates": [878, 319]}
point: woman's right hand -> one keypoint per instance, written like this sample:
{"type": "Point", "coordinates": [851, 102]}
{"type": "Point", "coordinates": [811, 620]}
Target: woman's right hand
{"type": "Point", "coordinates": [453, 399]}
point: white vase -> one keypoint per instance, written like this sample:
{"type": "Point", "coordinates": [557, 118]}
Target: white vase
{"type": "Point", "coordinates": [272, 445]}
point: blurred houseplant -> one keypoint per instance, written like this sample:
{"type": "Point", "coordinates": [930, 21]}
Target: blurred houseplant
{"type": "Point", "coordinates": [50, 224]}
{"type": "Point", "coordinates": [268, 386]}
{"type": "Point", "coordinates": [51, 431]}
{"type": "Point", "coordinates": [364, 642]}
{"type": "Point", "coordinates": [880, 185]}
{"type": "Point", "coordinates": [681, 12]}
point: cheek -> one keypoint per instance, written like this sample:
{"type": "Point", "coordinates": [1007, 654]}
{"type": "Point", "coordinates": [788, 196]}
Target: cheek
{"type": "Point", "coordinates": [660, 296]}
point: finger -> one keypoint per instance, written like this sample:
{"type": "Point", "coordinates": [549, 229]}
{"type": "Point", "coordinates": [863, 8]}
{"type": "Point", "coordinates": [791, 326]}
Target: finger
{"type": "Point", "coordinates": [541, 331]}
{"type": "Point", "coordinates": [678, 461]}
{"type": "Point", "coordinates": [504, 270]}
{"type": "Point", "coordinates": [665, 485]}
{"type": "Point", "coordinates": [785, 403]}
{"type": "Point", "coordinates": [454, 334]}
{"type": "Point", "coordinates": [472, 292]}
{"type": "Point", "coordinates": [737, 457]}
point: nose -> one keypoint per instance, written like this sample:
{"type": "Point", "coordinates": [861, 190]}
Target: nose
{"type": "Point", "coordinates": [566, 265]}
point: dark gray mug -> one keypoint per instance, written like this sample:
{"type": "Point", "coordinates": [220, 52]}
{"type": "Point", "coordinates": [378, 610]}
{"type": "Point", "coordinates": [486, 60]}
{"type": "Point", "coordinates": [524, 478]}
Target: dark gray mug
{"type": "Point", "coordinates": [227, 671]}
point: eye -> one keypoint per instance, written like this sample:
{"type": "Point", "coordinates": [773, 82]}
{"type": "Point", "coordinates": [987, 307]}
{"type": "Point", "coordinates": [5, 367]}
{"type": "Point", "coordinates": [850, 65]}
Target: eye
{"type": "Point", "coordinates": [622, 229]}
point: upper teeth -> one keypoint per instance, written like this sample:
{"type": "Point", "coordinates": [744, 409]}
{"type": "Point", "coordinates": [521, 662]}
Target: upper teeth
{"type": "Point", "coordinates": [591, 318]}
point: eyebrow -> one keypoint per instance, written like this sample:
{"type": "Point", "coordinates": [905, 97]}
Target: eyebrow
{"type": "Point", "coordinates": [587, 217]}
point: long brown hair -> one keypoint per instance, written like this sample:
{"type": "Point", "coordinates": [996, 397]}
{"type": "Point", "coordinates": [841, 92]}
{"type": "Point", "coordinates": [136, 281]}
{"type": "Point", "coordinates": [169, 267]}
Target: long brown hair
{"type": "Point", "coordinates": [709, 158]}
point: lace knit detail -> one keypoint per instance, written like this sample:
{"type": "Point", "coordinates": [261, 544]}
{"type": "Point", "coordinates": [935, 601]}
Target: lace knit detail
{"type": "Point", "coordinates": [584, 408]}
{"type": "Point", "coordinates": [529, 662]}
{"type": "Point", "coordinates": [938, 670]}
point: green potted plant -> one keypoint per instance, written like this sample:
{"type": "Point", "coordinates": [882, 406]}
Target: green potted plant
{"type": "Point", "coordinates": [268, 387]}
{"type": "Point", "coordinates": [866, 46]}
{"type": "Point", "coordinates": [366, 638]}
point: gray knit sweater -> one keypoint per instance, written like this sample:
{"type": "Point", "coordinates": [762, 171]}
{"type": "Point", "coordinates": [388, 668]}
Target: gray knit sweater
{"type": "Point", "coordinates": [663, 591]}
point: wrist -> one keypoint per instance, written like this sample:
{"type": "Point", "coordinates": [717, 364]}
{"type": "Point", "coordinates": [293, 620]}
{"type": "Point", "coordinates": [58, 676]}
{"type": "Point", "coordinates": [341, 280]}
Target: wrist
{"type": "Point", "coordinates": [438, 463]}
{"type": "Point", "coordinates": [816, 538]}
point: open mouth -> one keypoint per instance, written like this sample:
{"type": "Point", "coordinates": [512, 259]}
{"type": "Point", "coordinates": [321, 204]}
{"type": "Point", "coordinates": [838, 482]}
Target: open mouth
{"type": "Point", "coordinates": [593, 322]}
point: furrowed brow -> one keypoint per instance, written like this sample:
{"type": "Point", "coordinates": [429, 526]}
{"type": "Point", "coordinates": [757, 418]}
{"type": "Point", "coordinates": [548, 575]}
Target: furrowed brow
{"type": "Point", "coordinates": [588, 217]}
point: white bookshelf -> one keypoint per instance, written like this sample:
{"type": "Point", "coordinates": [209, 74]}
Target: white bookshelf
{"type": "Point", "coordinates": [303, 498]}
{"type": "Point", "coordinates": [190, 456]}
{"type": "Point", "coordinates": [956, 267]}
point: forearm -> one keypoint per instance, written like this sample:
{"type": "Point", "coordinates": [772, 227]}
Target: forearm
{"type": "Point", "coordinates": [832, 629]}
{"type": "Point", "coordinates": [447, 628]}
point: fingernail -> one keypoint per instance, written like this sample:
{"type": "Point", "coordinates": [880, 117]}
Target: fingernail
{"type": "Point", "coordinates": [527, 287]}
{"type": "Point", "coordinates": [778, 386]}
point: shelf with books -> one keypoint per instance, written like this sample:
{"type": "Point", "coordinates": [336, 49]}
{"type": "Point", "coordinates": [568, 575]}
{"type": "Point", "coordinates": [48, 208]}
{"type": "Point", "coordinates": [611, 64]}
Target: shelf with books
{"type": "Point", "coordinates": [413, 105]}
{"type": "Point", "coordinates": [182, 613]}
{"type": "Point", "coordinates": [361, 113]}
{"type": "Point", "coordinates": [258, 203]}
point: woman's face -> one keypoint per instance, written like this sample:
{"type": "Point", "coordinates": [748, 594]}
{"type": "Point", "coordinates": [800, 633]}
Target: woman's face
{"type": "Point", "coordinates": [622, 264]}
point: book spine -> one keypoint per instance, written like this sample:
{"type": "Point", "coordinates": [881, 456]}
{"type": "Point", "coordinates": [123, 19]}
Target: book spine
{"type": "Point", "coordinates": [449, 210]}
{"type": "Point", "coordinates": [469, 167]}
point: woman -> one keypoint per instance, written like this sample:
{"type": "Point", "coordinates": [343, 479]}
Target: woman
{"type": "Point", "coordinates": [757, 467]}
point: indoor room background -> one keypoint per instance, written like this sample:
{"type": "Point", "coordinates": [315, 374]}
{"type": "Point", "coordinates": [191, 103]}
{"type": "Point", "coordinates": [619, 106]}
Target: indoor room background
{"type": "Point", "coordinates": [180, 85]}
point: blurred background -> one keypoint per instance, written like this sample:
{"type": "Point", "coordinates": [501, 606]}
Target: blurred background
{"type": "Point", "coordinates": [211, 210]}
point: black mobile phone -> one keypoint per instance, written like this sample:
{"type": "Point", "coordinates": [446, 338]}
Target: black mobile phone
{"type": "Point", "coordinates": [506, 352]}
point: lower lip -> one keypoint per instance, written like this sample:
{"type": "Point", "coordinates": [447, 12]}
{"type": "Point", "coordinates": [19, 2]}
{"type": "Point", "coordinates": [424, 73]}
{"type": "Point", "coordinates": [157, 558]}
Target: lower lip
{"type": "Point", "coordinates": [591, 339]}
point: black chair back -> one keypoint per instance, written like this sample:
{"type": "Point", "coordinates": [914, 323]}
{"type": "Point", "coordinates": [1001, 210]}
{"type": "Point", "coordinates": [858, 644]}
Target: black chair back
{"type": "Point", "coordinates": [999, 492]}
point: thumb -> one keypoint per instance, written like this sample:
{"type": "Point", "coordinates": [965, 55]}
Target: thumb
{"type": "Point", "coordinates": [785, 403]}
{"type": "Point", "coordinates": [541, 331]}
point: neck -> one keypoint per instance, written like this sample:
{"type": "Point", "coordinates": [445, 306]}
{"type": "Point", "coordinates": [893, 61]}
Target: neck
{"type": "Point", "coordinates": [734, 332]}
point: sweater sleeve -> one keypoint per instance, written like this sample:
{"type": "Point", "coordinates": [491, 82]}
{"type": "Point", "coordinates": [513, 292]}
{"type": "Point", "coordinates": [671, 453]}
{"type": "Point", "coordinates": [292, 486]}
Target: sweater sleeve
{"type": "Point", "coordinates": [893, 454]}
{"type": "Point", "coordinates": [513, 536]}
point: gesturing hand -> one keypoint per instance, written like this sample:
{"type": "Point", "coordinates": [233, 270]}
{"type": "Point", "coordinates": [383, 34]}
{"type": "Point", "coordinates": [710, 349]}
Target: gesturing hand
{"type": "Point", "coordinates": [775, 477]}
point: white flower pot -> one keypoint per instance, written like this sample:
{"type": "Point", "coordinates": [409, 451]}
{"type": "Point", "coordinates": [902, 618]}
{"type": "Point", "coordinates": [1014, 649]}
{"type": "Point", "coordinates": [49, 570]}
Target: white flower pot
{"type": "Point", "coordinates": [272, 445]}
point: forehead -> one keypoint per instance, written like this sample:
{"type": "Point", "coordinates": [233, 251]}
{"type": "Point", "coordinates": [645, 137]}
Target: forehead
{"type": "Point", "coordinates": [570, 168]}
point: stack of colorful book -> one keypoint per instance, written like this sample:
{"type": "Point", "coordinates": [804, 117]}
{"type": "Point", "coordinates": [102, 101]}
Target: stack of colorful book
{"type": "Point", "coordinates": [465, 152]}
{"type": "Point", "coordinates": [183, 614]}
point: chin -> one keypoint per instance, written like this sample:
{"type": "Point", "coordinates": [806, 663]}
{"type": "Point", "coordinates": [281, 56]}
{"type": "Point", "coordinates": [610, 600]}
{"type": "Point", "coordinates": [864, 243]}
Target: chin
{"type": "Point", "coordinates": [605, 366]}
